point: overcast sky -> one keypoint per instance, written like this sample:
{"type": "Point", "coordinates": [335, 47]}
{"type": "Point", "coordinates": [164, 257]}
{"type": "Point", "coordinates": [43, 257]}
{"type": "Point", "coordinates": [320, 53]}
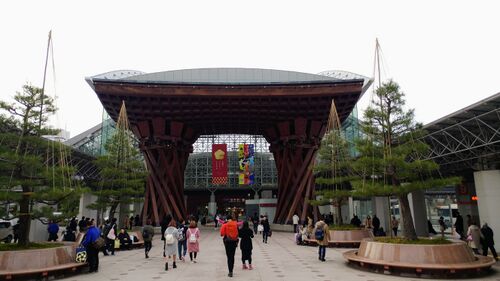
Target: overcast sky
{"type": "Point", "coordinates": [444, 54]}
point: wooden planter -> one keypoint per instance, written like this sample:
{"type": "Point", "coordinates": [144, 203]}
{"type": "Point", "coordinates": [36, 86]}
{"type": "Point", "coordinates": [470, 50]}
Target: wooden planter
{"type": "Point", "coordinates": [432, 259]}
{"type": "Point", "coordinates": [41, 262]}
{"type": "Point", "coordinates": [345, 238]}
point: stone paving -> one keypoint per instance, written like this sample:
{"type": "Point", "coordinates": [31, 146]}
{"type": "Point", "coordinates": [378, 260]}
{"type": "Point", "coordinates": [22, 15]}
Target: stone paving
{"type": "Point", "coordinates": [280, 259]}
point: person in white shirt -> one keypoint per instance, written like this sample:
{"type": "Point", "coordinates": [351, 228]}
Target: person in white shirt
{"type": "Point", "coordinates": [295, 220]}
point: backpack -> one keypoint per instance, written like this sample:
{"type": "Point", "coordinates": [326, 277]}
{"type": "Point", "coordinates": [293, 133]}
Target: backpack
{"type": "Point", "coordinates": [319, 234]}
{"type": "Point", "coordinates": [192, 237]}
{"type": "Point", "coordinates": [145, 234]}
{"type": "Point", "coordinates": [169, 238]}
{"type": "Point", "coordinates": [181, 234]}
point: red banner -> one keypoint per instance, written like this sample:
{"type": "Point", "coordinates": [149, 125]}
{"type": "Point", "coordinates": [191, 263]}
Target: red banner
{"type": "Point", "coordinates": [219, 164]}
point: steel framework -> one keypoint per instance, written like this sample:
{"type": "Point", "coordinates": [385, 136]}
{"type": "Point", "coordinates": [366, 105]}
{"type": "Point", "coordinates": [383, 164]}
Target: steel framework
{"type": "Point", "coordinates": [198, 173]}
{"type": "Point", "coordinates": [469, 138]}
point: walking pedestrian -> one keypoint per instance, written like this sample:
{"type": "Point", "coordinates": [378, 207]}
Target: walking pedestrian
{"type": "Point", "coordinates": [164, 224]}
{"type": "Point", "coordinates": [322, 235]}
{"type": "Point", "coordinates": [267, 229]}
{"type": "Point", "coordinates": [53, 230]}
{"type": "Point", "coordinates": [442, 226]}
{"type": "Point", "coordinates": [147, 234]}
{"type": "Point", "coordinates": [81, 225]}
{"type": "Point", "coordinates": [181, 240]}
{"type": "Point", "coordinates": [474, 237]}
{"type": "Point", "coordinates": [459, 225]}
{"type": "Point", "coordinates": [229, 232]}
{"type": "Point", "coordinates": [171, 238]}
{"type": "Point", "coordinates": [110, 232]}
{"type": "Point", "coordinates": [246, 235]}
{"type": "Point", "coordinates": [295, 220]}
{"type": "Point", "coordinates": [488, 241]}
{"type": "Point", "coordinates": [88, 242]}
{"type": "Point", "coordinates": [255, 222]}
{"type": "Point", "coordinates": [193, 236]}
{"type": "Point", "coordinates": [395, 225]}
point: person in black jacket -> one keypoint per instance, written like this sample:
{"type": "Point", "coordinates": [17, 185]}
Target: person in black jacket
{"type": "Point", "coordinates": [488, 242]}
{"type": "Point", "coordinates": [376, 225]}
{"type": "Point", "coordinates": [246, 235]}
{"type": "Point", "coordinates": [267, 229]}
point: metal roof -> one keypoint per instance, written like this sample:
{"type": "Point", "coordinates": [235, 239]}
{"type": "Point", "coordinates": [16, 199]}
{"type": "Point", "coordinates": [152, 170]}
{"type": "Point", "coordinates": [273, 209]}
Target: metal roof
{"type": "Point", "coordinates": [468, 138]}
{"type": "Point", "coordinates": [234, 76]}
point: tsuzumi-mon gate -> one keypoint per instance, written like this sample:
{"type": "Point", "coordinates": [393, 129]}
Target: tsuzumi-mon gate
{"type": "Point", "coordinates": [169, 110]}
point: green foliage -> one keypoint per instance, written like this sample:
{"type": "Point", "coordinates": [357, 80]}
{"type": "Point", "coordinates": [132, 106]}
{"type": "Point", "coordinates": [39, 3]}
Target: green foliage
{"type": "Point", "coordinates": [30, 246]}
{"type": "Point", "coordinates": [25, 111]}
{"type": "Point", "coordinates": [35, 179]}
{"type": "Point", "coordinates": [419, 241]}
{"type": "Point", "coordinates": [122, 173]}
{"type": "Point", "coordinates": [390, 152]}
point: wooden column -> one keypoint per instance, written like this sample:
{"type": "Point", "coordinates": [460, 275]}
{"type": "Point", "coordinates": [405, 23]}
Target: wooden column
{"type": "Point", "coordinates": [294, 145]}
{"type": "Point", "coordinates": [166, 146]}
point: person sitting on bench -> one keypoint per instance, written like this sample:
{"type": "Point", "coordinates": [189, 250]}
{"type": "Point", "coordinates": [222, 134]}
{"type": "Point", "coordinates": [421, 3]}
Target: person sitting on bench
{"type": "Point", "coordinates": [125, 241]}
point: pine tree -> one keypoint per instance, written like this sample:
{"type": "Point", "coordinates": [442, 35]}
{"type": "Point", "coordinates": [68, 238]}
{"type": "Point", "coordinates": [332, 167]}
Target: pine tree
{"type": "Point", "coordinates": [390, 162]}
{"type": "Point", "coordinates": [122, 171]}
{"type": "Point", "coordinates": [34, 177]}
{"type": "Point", "coordinates": [333, 172]}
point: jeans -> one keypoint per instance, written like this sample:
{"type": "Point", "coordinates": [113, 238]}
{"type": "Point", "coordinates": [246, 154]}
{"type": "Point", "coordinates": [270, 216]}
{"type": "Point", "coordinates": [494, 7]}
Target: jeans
{"type": "Point", "coordinates": [230, 251]}
{"type": "Point", "coordinates": [180, 245]}
{"type": "Point", "coordinates": [322, 252]}
{"type": "Point", "coordinates": [265, 234]}
{"type": "Point", "coordinates": [395, 230]}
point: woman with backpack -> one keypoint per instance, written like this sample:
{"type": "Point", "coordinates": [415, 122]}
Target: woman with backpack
{"type": "Point", "coordinates": [229, 232]}
{"type": "Point", "coordinates": [322, 236]}
{"type": "Point", "coordinates": [171, 238]}
{"type": "Point", "coordinates": [192, 238]}
{"type": "Point", "coordinates": [246, 235]}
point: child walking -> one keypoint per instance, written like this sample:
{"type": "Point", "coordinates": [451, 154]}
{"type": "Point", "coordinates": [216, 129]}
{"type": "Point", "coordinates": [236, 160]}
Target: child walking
{"type": "Point", "coordinates": [193, 236]}
{"type": "Point", "coordinates": [246, 235]}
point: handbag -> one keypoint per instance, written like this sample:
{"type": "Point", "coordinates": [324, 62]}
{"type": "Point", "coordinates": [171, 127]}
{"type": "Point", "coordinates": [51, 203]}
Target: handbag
{"type": "Point", "coordinates": [99, 243]}
{"type": "Point", "coordinates": [81, 254]}
{"type": "Point", "coordinates": [260, 228]}
{"type": "Point", "coordinates": [117, 244]}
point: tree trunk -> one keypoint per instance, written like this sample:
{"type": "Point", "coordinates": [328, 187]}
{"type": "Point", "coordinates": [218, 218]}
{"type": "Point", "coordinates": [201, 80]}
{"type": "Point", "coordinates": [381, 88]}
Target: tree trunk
{"type": "Point", "coordinates": [112, 211]}
{"type": "Point", "coordinates": [408, 226]}
{"type": "Point", "coordinates": [339, 212]}
{"type": "Point", "coordinates": [24, 218]}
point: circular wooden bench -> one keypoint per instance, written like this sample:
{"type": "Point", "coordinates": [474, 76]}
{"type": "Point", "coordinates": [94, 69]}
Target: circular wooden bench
{"type": "Point", "coordinates": [434, 260]}
{"type": "Point", "coordinates": [344, 238]}
{"type": "Point", "coordinates": [39, 262]}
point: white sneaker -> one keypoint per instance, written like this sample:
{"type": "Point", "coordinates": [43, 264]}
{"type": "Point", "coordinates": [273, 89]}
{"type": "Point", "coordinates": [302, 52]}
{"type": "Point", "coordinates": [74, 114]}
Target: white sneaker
{"type": "Point", "coordinates": [194, 261]}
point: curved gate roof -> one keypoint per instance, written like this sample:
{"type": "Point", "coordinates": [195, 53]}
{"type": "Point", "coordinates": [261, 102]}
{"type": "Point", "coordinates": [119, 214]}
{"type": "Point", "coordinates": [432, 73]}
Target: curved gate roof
{"type": "Point", "coordinates": [227, 100]}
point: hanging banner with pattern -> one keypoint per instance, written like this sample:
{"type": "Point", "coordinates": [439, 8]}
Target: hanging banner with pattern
{"type": "Point", "coordinates": [219, 164]}
{"type": "Point", "coordinates": [246, 164]}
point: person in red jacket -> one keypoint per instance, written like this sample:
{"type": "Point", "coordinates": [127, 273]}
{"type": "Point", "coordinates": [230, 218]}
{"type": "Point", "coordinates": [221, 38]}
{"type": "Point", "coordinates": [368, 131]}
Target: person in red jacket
{"type": "Point", "coordinates": [229, 232]}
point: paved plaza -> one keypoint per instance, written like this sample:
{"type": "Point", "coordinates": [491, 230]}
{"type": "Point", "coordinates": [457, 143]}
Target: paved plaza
{"type": "Point", "coordinates": [280, 259]}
